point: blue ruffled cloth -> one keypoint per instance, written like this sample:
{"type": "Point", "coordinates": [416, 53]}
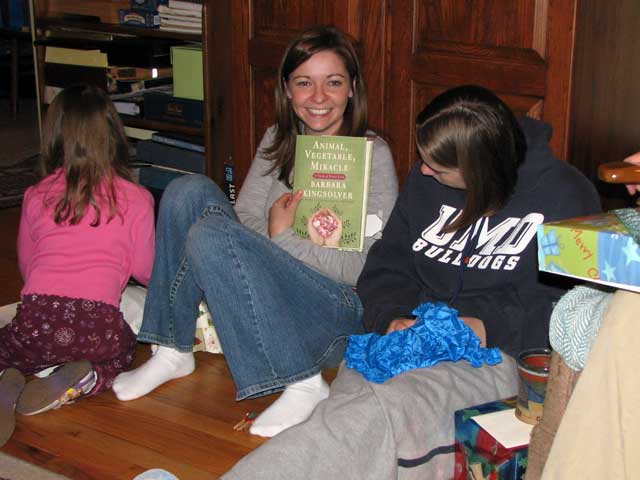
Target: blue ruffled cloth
{"type": "Point", "coordinates": [438, 335]}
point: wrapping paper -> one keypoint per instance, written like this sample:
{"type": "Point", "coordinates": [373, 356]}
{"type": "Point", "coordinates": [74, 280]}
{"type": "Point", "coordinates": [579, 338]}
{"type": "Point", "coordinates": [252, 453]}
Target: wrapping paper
{"type": "Point", "coordinates": [438, 335]}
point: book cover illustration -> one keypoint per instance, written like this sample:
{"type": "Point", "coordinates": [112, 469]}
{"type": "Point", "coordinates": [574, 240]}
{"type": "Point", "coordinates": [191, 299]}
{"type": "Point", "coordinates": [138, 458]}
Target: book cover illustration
{"type": "Point", "coordinates": [333, 173]}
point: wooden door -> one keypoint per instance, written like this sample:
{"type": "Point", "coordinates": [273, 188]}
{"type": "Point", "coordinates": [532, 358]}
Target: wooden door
{"type": "Point", "coordinates": [519, 49]}
{"type": "Point", "coordinates": [573, 64]}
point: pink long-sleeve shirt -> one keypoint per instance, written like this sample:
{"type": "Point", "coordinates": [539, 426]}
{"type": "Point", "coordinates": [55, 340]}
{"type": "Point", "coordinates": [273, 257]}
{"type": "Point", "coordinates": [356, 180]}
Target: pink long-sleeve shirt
{"type": "Point", "coordinates": [81, 261]}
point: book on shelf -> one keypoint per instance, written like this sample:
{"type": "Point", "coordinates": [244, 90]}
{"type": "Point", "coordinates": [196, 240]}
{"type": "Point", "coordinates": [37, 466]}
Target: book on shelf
{"type": "Point", "coordinates": [75, 56]}
{"type": "Point", "coordinates": [188, 76]}
{"type": "Point", "coordinates": [169, 156]}
{"type": "Point", "coordinates": [130, 106]}
{"type": "Point", "coordinates": [180, 140]}
{"type": "Point", "coordinates": [164, 89]}
{"type": "Point", "coordinates": [180, 21]}
{"type": "Point", "coordinates": [333, 172]}
{"type": "Point", "coordinates": [186, 4]}
{"type": "Point", "coordinates": [138, 133]}
{"type": "Point", "coordinates": [121, 86]}
{"type": "Point", "coordinates": [181, 12]}
{"type": "Point", "coordinates": [172, 27]}
{"type": "Point", "coordinates": [125, 73]}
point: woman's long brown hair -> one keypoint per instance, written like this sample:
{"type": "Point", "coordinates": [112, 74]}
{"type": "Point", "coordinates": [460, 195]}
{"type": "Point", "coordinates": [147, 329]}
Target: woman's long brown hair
{"type": "Point", "coordinates": [470, 128]}
{"type": "Point", "coordinates": [314, 40]}
{"type": "Point", "coordinates": [83, 134]}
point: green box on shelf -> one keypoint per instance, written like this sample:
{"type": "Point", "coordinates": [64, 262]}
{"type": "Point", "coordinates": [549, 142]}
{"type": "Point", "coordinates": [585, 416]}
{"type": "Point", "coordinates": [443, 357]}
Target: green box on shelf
{"type": "Point", "coordinates": [597, 248]}
{"type": "Point", "coordinates": [187, 71]}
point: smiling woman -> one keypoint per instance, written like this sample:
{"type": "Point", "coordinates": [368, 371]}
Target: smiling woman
{"type": "Point", "coordinates": [283, 305]}
{"type": "Point", "coordinates": [319, 91]}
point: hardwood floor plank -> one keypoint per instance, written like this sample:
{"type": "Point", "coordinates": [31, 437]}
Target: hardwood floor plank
{"type": "Point", "coordinates": [101, 455]}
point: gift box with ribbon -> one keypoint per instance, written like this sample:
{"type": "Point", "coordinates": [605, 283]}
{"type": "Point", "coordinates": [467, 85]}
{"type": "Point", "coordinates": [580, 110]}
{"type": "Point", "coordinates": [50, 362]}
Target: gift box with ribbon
{"type": "Point", "coordinates": [600, 248]}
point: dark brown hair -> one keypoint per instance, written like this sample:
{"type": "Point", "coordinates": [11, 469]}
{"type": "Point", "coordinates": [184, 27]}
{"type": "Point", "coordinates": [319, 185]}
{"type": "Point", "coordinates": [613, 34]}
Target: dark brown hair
{"type": "Point", "coordinates": [83, 134]}
{"type": "Point", "coordinates": [471, 129]}
{"type": "Point", "coordinates": [288, 126]}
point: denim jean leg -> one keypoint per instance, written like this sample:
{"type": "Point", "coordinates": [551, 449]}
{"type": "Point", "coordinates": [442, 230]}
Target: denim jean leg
{"type": "Point", "coordinates": [172, 301]}
{"type": "Point", "coordinates": [278, 320]}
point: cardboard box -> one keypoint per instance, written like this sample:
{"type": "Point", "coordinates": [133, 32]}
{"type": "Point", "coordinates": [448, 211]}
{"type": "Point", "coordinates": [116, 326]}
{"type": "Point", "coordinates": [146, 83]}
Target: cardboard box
{"type": "Point", "coordinates": [596, 248]}
{"type": "Point", "coordinates": [187, 72]}
{"type": "Point", "coordinates": [479, 455]}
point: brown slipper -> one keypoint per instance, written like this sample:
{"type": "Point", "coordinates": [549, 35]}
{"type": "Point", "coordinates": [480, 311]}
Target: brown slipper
{"type": "Point", "coordinates": [64, 385]}
{"type": "Point", "coordinates": [11, 384]}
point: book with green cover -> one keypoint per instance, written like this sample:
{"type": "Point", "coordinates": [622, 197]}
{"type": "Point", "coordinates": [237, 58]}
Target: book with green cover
{"type": "Point", "coordinates": [333, 172]}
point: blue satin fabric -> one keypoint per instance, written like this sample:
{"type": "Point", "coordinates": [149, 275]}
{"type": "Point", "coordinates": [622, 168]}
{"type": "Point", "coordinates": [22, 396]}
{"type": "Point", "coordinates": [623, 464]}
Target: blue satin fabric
{"type": "Point", "coordinates": [437, 335]}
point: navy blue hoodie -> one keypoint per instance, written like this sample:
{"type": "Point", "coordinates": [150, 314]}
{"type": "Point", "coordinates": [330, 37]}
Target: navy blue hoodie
{"type": "Point", "coordinates": [414, 263]}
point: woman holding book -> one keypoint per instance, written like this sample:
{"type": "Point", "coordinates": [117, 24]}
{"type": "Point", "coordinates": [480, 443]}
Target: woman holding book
{"type": "Point", "coordinates": [283, 306]}
{"type": "Point", "coordinates": [463, 233]}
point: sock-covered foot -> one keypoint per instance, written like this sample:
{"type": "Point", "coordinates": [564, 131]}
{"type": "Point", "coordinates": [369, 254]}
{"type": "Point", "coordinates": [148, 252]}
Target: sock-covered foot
{"type": "Point", "coordinates": [166, 364]}
{"type": "Point", "coordinates": [294, 406]}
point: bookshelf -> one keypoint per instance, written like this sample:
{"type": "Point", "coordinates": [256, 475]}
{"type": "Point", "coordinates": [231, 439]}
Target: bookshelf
{"type": "Point", "coordinates": [52, 28]}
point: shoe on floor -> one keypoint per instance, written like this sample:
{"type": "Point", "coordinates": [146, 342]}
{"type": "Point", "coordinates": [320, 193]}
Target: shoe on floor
{"type": "Point", "coordinates": [64, 385]}
{"type": "Point", "coordinates": [11, 384]}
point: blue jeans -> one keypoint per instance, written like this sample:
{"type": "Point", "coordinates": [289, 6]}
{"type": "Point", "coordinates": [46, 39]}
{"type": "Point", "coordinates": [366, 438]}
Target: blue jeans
{"type": "Point", "coordinates": [278, 321]}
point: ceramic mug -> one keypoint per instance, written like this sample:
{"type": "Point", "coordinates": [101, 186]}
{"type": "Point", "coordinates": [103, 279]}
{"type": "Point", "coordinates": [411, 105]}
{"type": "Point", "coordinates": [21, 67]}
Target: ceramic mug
{"type": "Point", "coordinates": [533, 373]}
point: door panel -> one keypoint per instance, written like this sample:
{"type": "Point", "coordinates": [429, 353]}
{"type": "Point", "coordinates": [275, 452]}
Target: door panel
{"type": "Point", "coordinates": [499, 44]}
{"type": "Point", "coordinates": [411, 49]}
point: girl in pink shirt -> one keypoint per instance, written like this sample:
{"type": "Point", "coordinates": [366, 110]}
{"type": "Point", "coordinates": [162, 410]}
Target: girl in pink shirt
{"type": "Point", "coordinates": [85, 229]}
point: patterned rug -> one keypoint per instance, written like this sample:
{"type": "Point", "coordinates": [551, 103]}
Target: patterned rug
{"type": "Point", "coordinates": [14, 180]}
{"type": "Point", "coordinates": [12, 468]}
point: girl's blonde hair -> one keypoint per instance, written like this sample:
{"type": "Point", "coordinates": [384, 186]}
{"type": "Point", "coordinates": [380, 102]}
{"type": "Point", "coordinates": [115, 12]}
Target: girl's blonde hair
{"type": "Point", "coordinates": [83, 134]}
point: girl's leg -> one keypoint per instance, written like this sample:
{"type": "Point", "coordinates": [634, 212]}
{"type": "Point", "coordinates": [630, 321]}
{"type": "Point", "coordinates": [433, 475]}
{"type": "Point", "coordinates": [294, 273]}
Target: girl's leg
{"type": "Point", "coordinates": [279, 322]}
{"type": "Point", "coordinates": [82, 336]}
{"type": "Point", "coordinates": [48, 330]}
{"type": "Point", "coordinates": [115, 354]}
{"type": "Point", "coordinates": [172, 301]}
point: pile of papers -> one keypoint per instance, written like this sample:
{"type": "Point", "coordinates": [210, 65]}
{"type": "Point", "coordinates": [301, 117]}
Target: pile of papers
{"type": "Point", "coordinates": [181, 16]}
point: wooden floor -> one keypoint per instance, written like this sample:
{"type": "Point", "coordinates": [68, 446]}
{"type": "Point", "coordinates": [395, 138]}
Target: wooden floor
{"type": "Point", "coordinates": [185, 426]}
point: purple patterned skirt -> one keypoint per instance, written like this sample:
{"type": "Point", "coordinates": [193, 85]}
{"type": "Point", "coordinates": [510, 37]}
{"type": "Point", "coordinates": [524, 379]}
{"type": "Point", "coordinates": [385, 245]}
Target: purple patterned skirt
{"type": "Point", "coordinates": [49, 330]}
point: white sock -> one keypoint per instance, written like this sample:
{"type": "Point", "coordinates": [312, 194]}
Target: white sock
{"type": "Point", "coordinates": [292, 407]}
{"type": "Point", "coordinates": [166, 364]}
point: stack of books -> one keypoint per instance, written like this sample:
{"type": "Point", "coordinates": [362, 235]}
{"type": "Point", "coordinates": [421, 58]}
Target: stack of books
{"type": "Point", "coordinates": [125, 84]}
{"type": "Point", "coordinates": [181, 16]}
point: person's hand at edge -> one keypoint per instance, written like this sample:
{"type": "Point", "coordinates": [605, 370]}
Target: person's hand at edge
{"type": "Point", "coordinates": [477, 326]}
{"type": "Point", "coordinates": [400, 324]}
{"type": "Point", "coordinates": [633, 188]}
{"type": "Point", "coordinates": [283, 212]}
